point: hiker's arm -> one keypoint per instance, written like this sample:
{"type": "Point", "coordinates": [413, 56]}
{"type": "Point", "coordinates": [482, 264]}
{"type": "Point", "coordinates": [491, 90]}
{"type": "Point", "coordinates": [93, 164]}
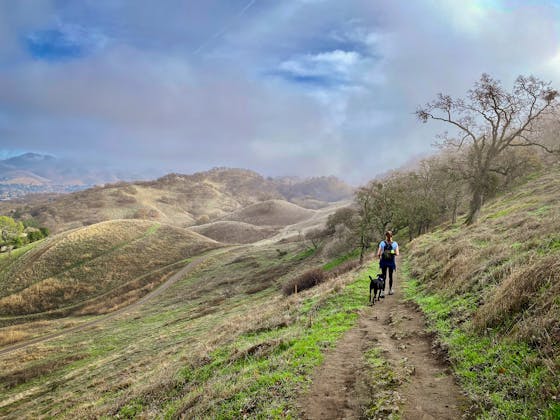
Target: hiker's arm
{"type": "Point", "coordinates": [379, 252]}
{"type": "Point", "coordinates": [397, 251]}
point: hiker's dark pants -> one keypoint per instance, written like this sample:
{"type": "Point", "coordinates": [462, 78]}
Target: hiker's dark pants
{"type": "Point", "coordinates": [384, 272]}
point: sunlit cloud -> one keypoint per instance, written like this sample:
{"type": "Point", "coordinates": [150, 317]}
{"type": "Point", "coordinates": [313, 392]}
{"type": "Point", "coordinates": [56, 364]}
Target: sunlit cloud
{"type": "Point", "coordinates": [312, 87]}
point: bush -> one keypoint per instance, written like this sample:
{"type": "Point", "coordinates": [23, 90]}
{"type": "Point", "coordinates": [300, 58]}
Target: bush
{"type": "Point", "coordinates": [19, 242]}
{"type": "Point", "coordinates": [35, 236]}
{"type": "Point", "coordinates": [305, 281]}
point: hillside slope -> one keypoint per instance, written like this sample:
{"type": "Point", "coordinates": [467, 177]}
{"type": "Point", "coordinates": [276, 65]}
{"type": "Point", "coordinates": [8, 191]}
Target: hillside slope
{"type": "Point", "coordinates": [94, 269]}
{"type": "Point", "coordinates": [230, 232]}
{"type": "Point", "coordinates": [223, 342]}
{"type": "Point", "coordinates": [492, 291]}
{"type": "Point", "coordinates": [271, 213]}
{"type": "Point", "coordinates": [175, 199]}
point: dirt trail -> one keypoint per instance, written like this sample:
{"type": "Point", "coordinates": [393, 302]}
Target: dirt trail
{"type": "Point", "coordinates": [158, 291]}
{"type": "Point", "coordinates": [420, 389]}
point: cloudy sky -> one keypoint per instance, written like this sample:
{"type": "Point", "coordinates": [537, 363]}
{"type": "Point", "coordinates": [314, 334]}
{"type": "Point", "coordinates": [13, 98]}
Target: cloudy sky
{"type": "Point", "coordinates": [284, 87]}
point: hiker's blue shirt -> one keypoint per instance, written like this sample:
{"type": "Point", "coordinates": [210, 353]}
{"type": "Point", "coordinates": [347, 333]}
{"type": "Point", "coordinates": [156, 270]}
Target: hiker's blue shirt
{"type": "Point", "coordinates": [388, 263]}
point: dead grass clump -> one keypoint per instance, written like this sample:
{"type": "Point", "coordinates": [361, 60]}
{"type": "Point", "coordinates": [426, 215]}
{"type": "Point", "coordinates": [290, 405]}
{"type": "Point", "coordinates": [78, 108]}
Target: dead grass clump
{"type": "Point", "coordinates": [11, 337]}
{"type": "Point", "coordinates": [521, 294]}
{"type": "Point", "coordinates": [145, 213]}
{"type": "Point", "coordinates": [304, 281]}
{"type": "Point", "coordinates": [34, 299]}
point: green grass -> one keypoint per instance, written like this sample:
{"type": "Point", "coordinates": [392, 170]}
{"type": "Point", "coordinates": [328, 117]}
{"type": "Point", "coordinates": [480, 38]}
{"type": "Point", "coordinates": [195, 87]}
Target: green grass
{"type": "Point", "coordinates": [383, 385]}
{"type": "Point", "coordinates": [204, 348]}
{"type": "Point", "coordinates": [305, 254]}
{"type": "Point", "coordinates": [21, 250]}
{"type": "Point", "coordinates": [504, 379]}
{"type": "Point", "coordinates": [342, 259]}
{"type": "Point", "coordinates": [541, 211]}
{"type": "Point", "coordinates": [259, 374]}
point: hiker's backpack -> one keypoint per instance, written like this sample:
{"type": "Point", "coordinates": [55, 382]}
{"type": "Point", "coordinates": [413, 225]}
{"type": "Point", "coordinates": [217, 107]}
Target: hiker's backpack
{"type": "Point", "coordinates": [387, 255]}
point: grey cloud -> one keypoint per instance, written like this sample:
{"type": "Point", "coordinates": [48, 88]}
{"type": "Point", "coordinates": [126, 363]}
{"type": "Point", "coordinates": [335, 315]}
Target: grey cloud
{"type": "Point", "coordinates": [146, 99]}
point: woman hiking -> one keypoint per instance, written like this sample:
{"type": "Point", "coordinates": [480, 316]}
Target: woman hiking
{"type": "Point", "coordinates": [387, 251]}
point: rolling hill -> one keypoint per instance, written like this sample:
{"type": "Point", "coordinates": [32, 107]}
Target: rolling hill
{"type": "Point", "coordinates": [178, 200]}
{"type": "Point", "coordinates": [223, 342]}
{"type": "Point", "coordinates": [93, 269]}
{"type": "Point", "coordinates": [271, 213]}
{"type": "Point", "coordinates": [230, 232]}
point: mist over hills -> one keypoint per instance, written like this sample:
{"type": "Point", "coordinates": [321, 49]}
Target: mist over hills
{"type": "Point", "coordinates": [176, 199]}
{"type": "Point", "coordinates": [42, 173]}
{"type": "Point", "coordinates": [31, 173]}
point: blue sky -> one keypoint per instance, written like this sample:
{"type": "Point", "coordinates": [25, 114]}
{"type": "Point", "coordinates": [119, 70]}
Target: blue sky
{"type": "Point", "coordinates": [291, 87]}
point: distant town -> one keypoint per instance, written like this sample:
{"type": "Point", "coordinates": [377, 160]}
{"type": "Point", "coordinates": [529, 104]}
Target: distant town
{"type": "Point", "coordinates": [13, 191]}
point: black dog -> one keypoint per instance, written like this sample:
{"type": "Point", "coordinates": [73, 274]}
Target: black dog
{"type": "Point", "coordinates": [377, 285]}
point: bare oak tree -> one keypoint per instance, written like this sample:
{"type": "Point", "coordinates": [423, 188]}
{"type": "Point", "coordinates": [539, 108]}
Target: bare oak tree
{"type": "Point", "coordinates": [376, 207]}
{"type": "Point", "coordinates": [490, 121]}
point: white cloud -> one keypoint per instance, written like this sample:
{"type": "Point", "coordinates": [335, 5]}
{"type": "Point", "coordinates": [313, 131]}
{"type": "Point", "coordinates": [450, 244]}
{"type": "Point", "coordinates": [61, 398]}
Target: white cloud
{"type": "Point", "coordinates": [144, 99]}
{"type": "Point", "coordinates": [336, 64]}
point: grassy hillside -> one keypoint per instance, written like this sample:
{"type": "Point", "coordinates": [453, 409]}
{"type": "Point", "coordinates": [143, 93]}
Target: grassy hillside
{"type": "Point", "coordinates": [492, 292]}
{"type": "Point", "coordinates": [229, 232]}
{"type": "Point", "coordinates": [179, 200]}
{"type": "Point", "coordinates": [93, 269]}
{"type": "Point", "coordinates": [271, 213]}
{"type": "Point", "coordinates": [221, 343]}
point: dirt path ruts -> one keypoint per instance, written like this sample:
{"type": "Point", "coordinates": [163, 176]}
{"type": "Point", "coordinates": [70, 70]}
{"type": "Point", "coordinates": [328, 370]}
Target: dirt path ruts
{"type": "Point", "coordinates": [158, 291]}
{"type": "Point", "coordinates": [423, 388]}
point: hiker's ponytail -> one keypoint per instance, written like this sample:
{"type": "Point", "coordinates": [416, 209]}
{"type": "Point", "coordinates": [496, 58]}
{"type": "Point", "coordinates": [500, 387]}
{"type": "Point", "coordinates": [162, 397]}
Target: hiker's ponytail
{"type": "Point", "coordinates": [389, 236]}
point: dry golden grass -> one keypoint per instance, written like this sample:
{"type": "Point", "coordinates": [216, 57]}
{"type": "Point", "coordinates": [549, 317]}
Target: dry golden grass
{"type": "Point", "coordinates": [510, 259]}
{"type": "Point", "coordinates": [139, 355]}
{"type": "Point", "coordinates": [271, 213]}
{"type": "Point", "coordinates": [11, 336]}
{"type": "Point", "coordinates": [179, 200]}
{"type": "Point", "coordinates": [229, 232]}
{"type": "Point", "coordinates": [96, 268]}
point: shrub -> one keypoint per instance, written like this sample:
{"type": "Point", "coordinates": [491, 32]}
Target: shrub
{"type": "Point", "coordinates": [144, 213]}
{"type": "Point", "coordinates": [34, 235]}
{"type": "Point", "coordinates": [304, 281]}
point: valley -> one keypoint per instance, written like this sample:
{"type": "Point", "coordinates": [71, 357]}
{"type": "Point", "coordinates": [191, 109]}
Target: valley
{"type": "Point", "coordinates": [136, 318]}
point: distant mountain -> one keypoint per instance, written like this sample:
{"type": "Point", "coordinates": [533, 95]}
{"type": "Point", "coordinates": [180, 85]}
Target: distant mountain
{"type": "Point", "coordinates": [29, 160]}
{"type": "Point", "coordinates": [177, 199]}
{"type": "Point", "coordinates": [40, 173]}
{"type": "Point", "coordinates": [324, 188]}
{"type": "Point", "coordinates": [53, 170]}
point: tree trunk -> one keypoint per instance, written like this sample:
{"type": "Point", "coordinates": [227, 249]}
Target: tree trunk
{"type": "Point", "coordinates": [455, 207]}
{"type": "Point", "coordinates": [361, 255]}
{"type": "Point", "coordinates": [362, 248]}
{"type": "Point", "coordinates": [475, 206]}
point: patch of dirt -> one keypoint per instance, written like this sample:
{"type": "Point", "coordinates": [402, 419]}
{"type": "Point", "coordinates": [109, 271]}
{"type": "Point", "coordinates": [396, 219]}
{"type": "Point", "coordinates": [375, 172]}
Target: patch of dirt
{"type": "Point", "coordinates": [420, 386]}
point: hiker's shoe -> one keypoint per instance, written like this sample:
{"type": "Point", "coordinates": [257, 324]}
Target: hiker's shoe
{"type": "Point", "coordinates": [391, 292]}
{"type": "Point", "coordinates": [382, 294]}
